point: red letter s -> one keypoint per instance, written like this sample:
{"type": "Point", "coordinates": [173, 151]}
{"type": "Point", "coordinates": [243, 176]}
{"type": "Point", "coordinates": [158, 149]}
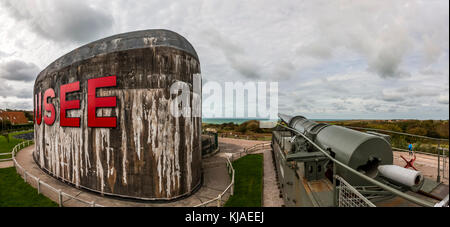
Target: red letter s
{"type": "Point", "coordinates": [49, 93]}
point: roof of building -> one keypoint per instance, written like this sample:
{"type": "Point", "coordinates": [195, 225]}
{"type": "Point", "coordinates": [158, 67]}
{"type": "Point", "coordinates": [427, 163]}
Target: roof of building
{"type": "Point", "coordinates": [15, 117]}
{"type": "Point", "coordinates": [120, 42]}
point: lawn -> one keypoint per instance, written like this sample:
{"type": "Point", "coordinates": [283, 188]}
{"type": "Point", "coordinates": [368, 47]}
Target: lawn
{"type": "Point", "coordinates": [248, 182]}
{"type": "Point", "coordinates": [14, 192]}
{"type": "Point", "coordinates": [6, 147]}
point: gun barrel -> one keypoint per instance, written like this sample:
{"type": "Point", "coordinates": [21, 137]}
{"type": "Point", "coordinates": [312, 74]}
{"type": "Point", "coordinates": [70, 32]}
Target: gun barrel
{"type": "Point", "coordinates": [360, 151]}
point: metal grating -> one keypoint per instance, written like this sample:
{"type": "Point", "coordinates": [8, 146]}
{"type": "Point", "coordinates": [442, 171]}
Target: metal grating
{"type": "Point", "coordinates": [348, 196]}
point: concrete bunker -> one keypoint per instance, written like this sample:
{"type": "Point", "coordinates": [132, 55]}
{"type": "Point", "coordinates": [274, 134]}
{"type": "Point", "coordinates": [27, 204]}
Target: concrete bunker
{"type": "Point", "coordinates": [102, 119]}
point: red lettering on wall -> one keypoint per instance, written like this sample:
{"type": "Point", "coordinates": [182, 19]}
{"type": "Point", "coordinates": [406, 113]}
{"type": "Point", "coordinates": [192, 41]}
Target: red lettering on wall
{"type": "Point", "coordinates": [37, 108]}
{"type": "Point", "coordinates": [69, 105]}
{"type": "Point", "coordinates": [95, 102]}
{"type": "Point", "coordinates": [49, 93]}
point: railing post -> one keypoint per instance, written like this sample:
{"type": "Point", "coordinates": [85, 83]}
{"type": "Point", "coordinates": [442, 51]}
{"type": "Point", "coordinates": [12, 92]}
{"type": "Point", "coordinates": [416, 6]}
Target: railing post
{"type": "Point", "coordinates": [444, 166]}
{"type": "Point", "coordinates": [25, 176]}
{"type": "Point", "coordinates": [334, 186]}
{"type": "Point", "coordinates": [39, 186]}
{"type": "Point", "coordinates": [92, 203]}
{"type": "Point", "coordinates": [219, 200]}
{"type": "Point", "coordinates": [232, 185]}
{"type": "Point", "coordinates": [60, 198]}
{"type": "Point", "coordinates": [438, 179]}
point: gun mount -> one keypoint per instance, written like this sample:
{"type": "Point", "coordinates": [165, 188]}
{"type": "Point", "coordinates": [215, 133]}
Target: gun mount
{"type": "Point", "coordinates": [361, 151]}
{"type": "Point", "coordinates": [305, 172]}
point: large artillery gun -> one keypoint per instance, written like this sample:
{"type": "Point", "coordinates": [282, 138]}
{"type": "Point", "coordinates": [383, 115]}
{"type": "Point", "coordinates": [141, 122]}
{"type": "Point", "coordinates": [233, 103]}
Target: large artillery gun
{"type": "Point", "coordinates": [306, 153]}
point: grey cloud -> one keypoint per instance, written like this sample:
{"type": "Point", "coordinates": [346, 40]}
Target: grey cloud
{"type": "Point", "coordinates": [387, 65]}
{"type": "Point", "coordinates": [443, 100]}
{"type": "Point", "coordinates": [286, 41]}
{"type": "Point", "coordinates": [317, 51]}
{"type": "Point", "coordinates": [383, 33]}
{"type": "Point", "coordinates": [234, 54]}
{"type": "Point", "coordinates": [371, 107]}
{"type": "Point", "coordinates": [61, 20]}
{"type": "Point", "coordinates": [8, 91]}
{"type": "Point", "coordinates": [392, 110]}
{"type": "Point", "coordinates": [20, 105]}
{"type": "Point", "coordinates": [339, 106]}
{"type": "Point", "coordinates": [285, 70]}
{"type": "Point", "coordinates": [400, 94]}
{"type": "Point", "coordinates": [335, 86]}
{"type": "Point", "coordinates": [18, 70]}
{"type": "Point", "coordinates": [431, 72]}
{"type": "Point", "coordinates": [2, 54]}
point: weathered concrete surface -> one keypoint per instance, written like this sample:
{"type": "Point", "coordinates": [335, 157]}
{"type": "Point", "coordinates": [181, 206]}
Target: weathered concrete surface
{"type": "Point", "coordinates": [216, 179]}
{"type": "Point", "coordinates": [150, 154]}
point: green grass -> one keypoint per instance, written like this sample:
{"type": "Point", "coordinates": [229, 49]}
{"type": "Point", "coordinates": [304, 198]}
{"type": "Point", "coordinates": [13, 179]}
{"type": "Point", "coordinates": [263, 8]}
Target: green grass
{"type": "Point", "coordinates": [6, 147]}
{"type": "Point", "coordinates": [14, 192]}
{"type": "Point", "coordinates": [248, 182]}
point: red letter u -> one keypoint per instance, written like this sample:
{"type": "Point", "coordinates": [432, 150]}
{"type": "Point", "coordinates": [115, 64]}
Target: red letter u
{"type": "Point", "coordinates": [37, 108]}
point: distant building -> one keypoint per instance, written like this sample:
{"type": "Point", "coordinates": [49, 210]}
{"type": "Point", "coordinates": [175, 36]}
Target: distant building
{"type": "Point", "coordinates": [15, 117]}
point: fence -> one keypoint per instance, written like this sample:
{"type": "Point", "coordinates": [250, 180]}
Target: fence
{"type": "Point", "coordinates": [15, 149]}
{"type": "Point", "coordinates": [348, 196]}
{"type": "Point", "coordinates": [438, 148]}
{"type": "Point", "coordinates": [232, 157]}
{"type": "Point", "coordinates": [230, 188]}
{"type": "Point", "coordinates": [249, 150]}
{"type": "Point", "coordinates": [44, 188]}
{"type": "Point", "coordinates": [443, 154]}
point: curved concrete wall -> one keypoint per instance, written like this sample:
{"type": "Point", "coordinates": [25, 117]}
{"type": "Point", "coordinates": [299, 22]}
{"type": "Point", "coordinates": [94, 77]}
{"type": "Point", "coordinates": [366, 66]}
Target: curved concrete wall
{"type": "Point", "coordinates": [145, 152]}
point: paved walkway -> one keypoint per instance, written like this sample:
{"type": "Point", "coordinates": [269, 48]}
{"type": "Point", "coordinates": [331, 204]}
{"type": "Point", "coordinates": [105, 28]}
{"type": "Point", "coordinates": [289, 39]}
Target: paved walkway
{"type": "Point", "coordinates": [271, 193]}
{"type": "Point", "coordinates": [6, 164]}
{"type": "Point", "coordinates": [216, 179]}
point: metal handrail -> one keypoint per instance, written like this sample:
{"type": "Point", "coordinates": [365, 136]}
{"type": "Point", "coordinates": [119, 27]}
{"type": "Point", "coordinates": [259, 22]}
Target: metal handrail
{"type": "Point", "coordinates": [354, 191]}
{"type": "Point", "coordinates": [27, 175]}
{"type": "Point", "coordinates": [230, 168]}
{"type": "Point", "coordinates": [229, 187]}
{"type": "Point", "coordinates": [375, 182]}
{"type": "Point", "coordinates": [400, 133]}
{"type": "Point", "coordinates": [418, 152]}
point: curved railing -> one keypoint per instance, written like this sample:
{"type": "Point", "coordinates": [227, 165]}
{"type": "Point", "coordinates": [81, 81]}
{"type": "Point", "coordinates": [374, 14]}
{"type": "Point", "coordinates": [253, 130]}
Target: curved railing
{"type": "Point", "coordinates": [229, 188]}
{"type": "Point", "coordinates": [41, 185]}
{"type": "Point", "coordinates": [233, 157]}
{"type": "Point", "coordinates": [18, 146]}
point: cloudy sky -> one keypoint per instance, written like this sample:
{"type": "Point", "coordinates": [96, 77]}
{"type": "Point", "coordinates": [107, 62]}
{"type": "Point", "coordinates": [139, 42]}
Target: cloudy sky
{"type": "Point", "coordinates": [332, 59]}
